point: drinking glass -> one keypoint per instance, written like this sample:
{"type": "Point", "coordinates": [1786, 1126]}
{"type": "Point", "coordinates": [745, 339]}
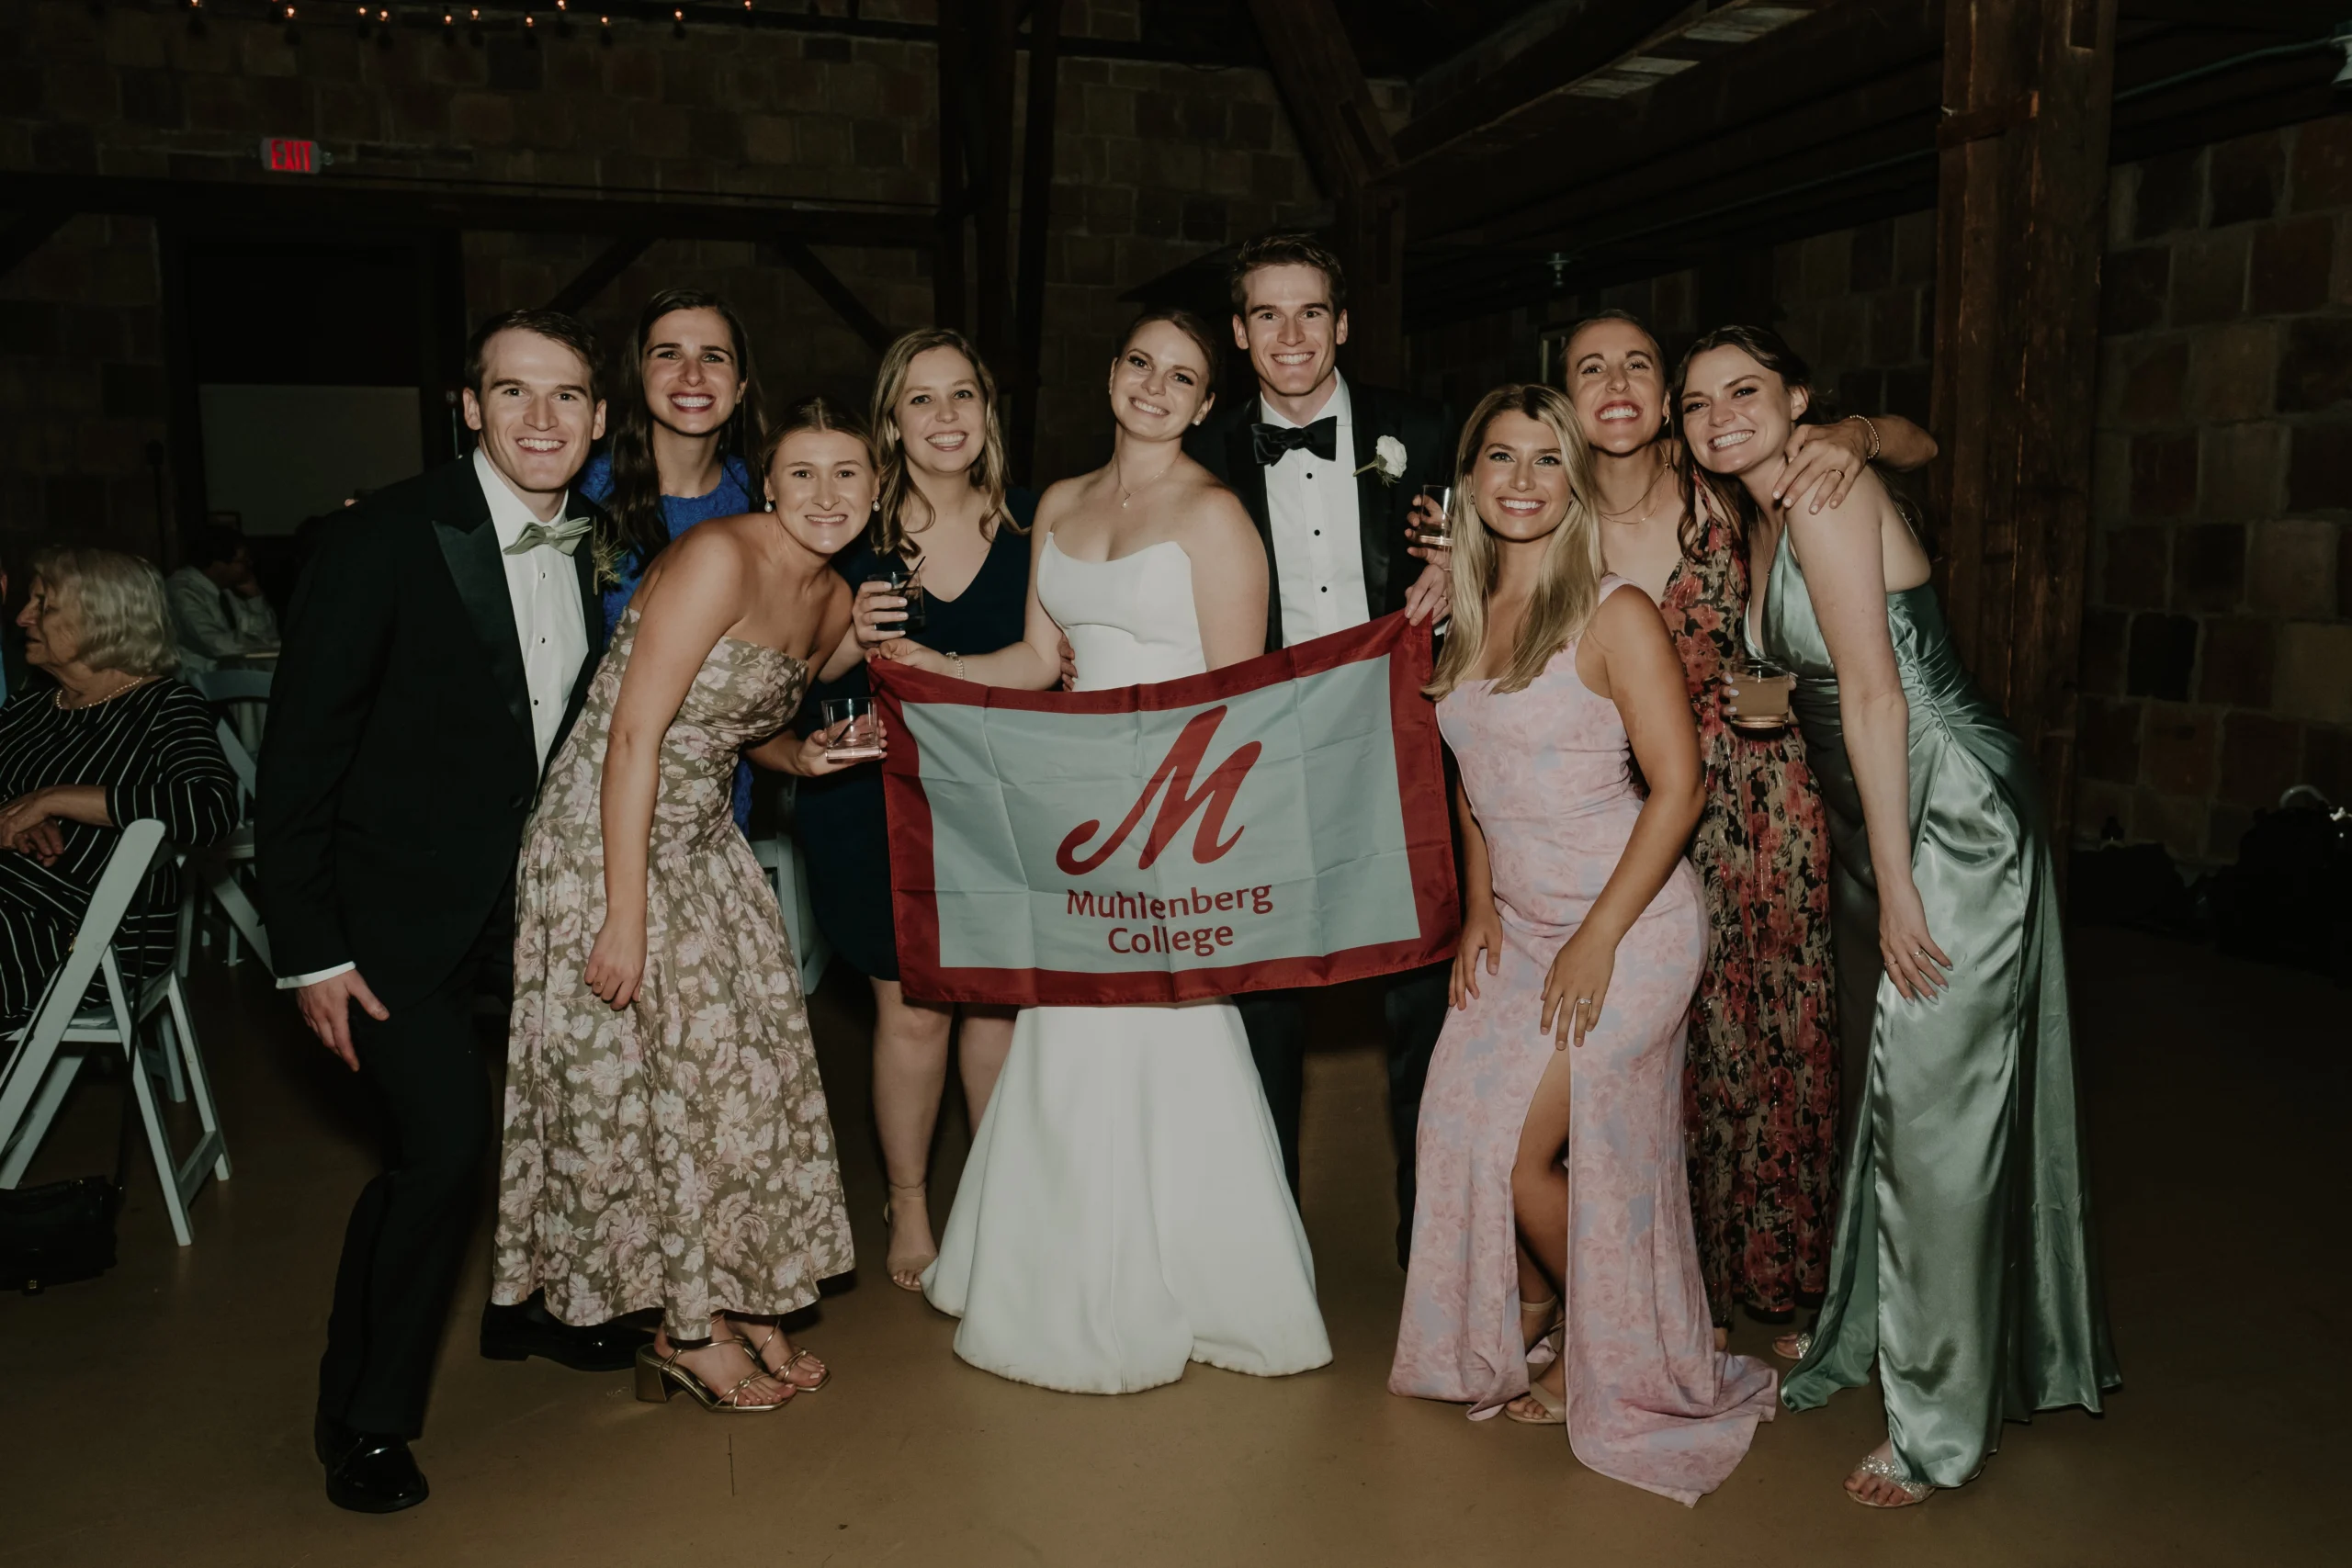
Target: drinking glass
{"type": "Point", "coordinates": [860, 736]}
{"type": "Point", "coordinates": [1755, 695]}
{"type": "Point", "coordinates": [1441, 535]}
{"type": "Point", "coordinates": [902, 581]}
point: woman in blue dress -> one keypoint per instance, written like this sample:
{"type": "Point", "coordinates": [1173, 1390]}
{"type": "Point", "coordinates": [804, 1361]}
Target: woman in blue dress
{"type": "Point", "coordinates": [686, 416]}
{"type": "Point", "coordinates": [944, 513]}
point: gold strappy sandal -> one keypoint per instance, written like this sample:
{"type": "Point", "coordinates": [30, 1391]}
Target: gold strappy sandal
{"type": "Point", "coordinates": [783, 1374]}
{"type": "Point", "coordinates": [659, 1377]}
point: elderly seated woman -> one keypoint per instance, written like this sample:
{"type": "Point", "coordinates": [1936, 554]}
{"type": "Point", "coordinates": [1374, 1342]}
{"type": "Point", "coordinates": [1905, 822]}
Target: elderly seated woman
{"type": "Point", "coordinates": [113, 739]}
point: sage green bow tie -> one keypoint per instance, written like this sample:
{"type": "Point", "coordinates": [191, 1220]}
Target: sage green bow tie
{"type": "Point", "coordinates": [564, 536]}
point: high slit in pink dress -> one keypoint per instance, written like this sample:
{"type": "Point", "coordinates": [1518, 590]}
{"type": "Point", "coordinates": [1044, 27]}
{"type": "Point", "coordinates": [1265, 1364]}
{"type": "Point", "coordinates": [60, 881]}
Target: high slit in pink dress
{"type": "Point", "coordinates": [1650, 1401]}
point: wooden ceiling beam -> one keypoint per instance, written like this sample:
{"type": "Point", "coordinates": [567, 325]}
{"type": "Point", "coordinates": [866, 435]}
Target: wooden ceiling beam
{"type": "Point", "coordinates": [1599, 34]}
{"type": "Point", "coordinates": [2292, 18]}
{"type": "Point", "coordinates": [1810, 71]}
{"type": "Point", "coordinates": [1323, 86]}
{"type": "Point", "coordinates": [829, 288]}
{"type": "Point", "coordinates": [499, 209]}
{"type": "Point", "coordinates": [608, 265]}
{"type": "Point", "coordinates": [1825, 141]}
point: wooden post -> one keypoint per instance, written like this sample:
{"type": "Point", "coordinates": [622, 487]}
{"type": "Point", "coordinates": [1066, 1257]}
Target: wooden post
{"type": "Point", "coordinates": [1372, 247]}
{"type": "Point", "coordinates": [992, 193]}
{"type": "Point", "coordinates": [2028, 85]}
{"type": "Point", "coordinates": [948, 284]}
{"type": "Point", "coordinates": [1036, 210]}
{"type": "Point", "coordinates": [1338, 124]}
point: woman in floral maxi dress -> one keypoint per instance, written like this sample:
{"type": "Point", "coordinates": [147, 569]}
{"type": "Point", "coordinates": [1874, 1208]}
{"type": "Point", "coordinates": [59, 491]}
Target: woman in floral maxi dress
{"type": "Point", "coordinates": [666, 1137]}
{"type": "Point", "coordinates": [1762, 1080]}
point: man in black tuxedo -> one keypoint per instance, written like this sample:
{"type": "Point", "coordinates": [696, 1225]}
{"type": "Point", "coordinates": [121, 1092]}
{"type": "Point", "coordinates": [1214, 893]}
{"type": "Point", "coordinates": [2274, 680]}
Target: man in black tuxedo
{"type": "Point", "coordinates": [1328, 469]}
{"type": "Point", "coordinates": [439, 647]}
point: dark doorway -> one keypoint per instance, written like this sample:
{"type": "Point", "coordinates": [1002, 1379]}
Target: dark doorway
{"type": "Point", "coordinates": [307, 369]}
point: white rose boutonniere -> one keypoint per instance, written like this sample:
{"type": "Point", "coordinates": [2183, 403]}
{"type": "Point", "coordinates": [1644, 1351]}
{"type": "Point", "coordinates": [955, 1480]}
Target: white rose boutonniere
{"type": "Point", "coordinates": [1388, 460]}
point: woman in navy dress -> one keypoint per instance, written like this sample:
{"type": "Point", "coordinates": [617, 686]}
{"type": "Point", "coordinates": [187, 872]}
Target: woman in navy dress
{"type": "Point", "coordinates": [686, 418]}
{"type": "Point", "coordinates": [942, 513]}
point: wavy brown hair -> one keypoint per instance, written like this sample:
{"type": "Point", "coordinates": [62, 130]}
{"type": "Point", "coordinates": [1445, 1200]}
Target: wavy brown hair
{"type": "Point", "coordinates": [1700, 485]}
{"type": "Point", "coordinates": [1568, 589]}
{"type": "Point", "coordinates": [892, 533]}
{"type": "Point", "coordinates": [635, 507]}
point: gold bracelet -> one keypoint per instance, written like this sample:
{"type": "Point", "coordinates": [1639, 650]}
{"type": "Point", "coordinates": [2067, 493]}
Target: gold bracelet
{"type": "Point", "coordinates": [1871, 455]}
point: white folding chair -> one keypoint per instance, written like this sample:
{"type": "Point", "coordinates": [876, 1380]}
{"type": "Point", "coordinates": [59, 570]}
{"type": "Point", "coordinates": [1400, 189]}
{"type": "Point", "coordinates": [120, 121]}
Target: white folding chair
{"type": "Point", "coordinates": [40, 1068]}
{"type": "Point", "coordinates": [244, 693]}
{"type": "Point", "coordinates": [774, 804]}
{"type": "Point", "coordinates": [788, 875]}
{"type": "Point", "coordinates": [215, 869]}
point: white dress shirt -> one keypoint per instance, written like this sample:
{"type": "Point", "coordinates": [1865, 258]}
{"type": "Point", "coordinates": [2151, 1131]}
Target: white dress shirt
{"type": "Point", "coordinates": [1319, 546]}
{"type": "Point", "coordinates": [543, 586]}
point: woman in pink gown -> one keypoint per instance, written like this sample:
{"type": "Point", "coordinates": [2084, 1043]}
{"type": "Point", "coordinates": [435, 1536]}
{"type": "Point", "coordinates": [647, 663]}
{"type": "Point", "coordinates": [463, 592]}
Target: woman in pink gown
{"type": "Point", "coordinates": [1551, 1132]}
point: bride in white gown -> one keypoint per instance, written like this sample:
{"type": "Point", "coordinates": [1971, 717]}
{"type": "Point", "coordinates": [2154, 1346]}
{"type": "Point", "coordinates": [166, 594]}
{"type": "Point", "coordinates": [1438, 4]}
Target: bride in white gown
{"type": "Point", "coordinates": [1123, 1210]}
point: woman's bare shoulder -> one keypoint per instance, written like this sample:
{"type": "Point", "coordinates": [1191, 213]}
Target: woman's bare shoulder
{"type": "Point", "coordinates": [1211, 516]}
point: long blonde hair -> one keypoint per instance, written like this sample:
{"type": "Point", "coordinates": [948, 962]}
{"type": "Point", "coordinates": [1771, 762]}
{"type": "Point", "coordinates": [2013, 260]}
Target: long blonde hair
{"type": "Point", "coordinates": [1568, 589]}
{"type": "Point", "coordinates": [891, 535]}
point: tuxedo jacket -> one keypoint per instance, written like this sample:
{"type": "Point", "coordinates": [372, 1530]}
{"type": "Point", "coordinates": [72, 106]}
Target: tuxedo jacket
{"type": "Point", "coordinates": [1222, 443]}
{"type": "Point", "coordinates": [399, 767]}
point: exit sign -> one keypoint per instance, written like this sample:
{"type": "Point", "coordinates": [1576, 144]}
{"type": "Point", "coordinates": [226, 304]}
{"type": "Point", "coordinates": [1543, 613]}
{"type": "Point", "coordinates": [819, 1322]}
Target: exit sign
{"type": "Point", "coordinates": [292, 155]}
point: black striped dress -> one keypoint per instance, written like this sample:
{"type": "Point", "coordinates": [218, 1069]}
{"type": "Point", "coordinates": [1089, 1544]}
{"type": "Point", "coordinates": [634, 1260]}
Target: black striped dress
{"type": "Point", "coordinates": [153, 750]}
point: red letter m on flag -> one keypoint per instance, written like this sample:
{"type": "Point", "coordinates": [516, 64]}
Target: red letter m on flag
{"type": "Point", "coordinates": [1177, 808]}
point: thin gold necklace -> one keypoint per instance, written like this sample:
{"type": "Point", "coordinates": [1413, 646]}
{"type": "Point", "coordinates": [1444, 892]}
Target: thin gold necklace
{"type": "Point", "coordinates": [1608, 517]}
{"type": "Point", "coordinates": [1126, 495]}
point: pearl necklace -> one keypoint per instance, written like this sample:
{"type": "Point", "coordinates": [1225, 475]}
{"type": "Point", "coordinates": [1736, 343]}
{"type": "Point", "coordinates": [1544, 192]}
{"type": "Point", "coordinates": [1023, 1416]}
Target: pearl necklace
{"type": "Point", "coordinates": [136, 682]}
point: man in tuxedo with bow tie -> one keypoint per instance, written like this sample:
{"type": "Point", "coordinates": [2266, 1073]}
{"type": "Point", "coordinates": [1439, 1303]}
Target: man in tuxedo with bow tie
{"type": "Point", "coordinates": [1328, 469]}
{"type": "Point", "coordinates": [439, 647]}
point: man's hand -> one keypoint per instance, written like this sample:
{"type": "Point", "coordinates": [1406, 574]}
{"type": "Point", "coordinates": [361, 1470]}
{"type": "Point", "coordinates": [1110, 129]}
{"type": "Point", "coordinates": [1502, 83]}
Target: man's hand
{"type": "Point", "coordinates": [326, 1009]}
{"type": "Point", "coordinates": [1431, 595]}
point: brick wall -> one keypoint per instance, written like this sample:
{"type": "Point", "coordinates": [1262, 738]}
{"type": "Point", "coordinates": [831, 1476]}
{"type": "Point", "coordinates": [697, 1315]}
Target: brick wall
{"type": "Point", "coordinates": [1155, 164]}
{"type": "Point", "coordinates": [1857, 303]}
{"type": "Point", "coordinates": [2217, 643]}
{"type": "Point", "coordinates": [2217, 636]}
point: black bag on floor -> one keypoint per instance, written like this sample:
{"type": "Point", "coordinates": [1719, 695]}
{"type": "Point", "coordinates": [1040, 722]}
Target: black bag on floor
{"type": "Point", "coordinates": [2288, 898]}
{"type": "Point", "coordinates": [64, 1231]}
{"type": "Point", "coordinates": [57, 1233]}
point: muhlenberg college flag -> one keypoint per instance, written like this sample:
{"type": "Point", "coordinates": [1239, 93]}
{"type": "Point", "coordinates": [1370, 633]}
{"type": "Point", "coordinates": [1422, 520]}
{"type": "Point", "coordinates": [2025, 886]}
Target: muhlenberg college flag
{"type": "Point", "coordinates": [1278, 822]}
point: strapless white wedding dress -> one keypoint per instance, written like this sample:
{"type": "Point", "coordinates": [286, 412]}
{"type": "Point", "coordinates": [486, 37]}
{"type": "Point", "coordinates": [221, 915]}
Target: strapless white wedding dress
{"type": "Point", "coordinates": [1123, 1210]}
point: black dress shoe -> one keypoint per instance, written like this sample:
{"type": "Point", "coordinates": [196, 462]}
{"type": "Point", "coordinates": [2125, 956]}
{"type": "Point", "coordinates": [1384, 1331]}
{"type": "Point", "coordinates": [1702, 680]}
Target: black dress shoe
{"type": "Point", "coordinates": [369, 1473]}
{"type": "Point", "coordinates": [512, 1333]}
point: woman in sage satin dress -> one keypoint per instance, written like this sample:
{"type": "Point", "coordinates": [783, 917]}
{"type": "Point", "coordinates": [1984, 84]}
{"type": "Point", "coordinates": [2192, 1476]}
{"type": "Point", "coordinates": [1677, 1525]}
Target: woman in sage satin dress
{"type": "Point", "coordinates": [1962, 1260]}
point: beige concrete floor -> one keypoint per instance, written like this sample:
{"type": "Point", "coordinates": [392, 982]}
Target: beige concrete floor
{"type": "Point", "coordinates": [161, 1415]}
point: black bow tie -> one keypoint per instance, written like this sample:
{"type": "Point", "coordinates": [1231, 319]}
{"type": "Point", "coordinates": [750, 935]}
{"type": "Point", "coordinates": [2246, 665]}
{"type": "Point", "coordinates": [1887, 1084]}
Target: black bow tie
{"type": "Point", "coordinates": [1271, 441]}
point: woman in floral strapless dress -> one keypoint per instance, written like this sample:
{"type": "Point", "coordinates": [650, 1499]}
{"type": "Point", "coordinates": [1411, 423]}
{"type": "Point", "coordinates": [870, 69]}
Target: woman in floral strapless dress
{"type": "Point", "coordinates": [666, 1137]}
{"type": "Point", "coordinates": [1554, 1204]}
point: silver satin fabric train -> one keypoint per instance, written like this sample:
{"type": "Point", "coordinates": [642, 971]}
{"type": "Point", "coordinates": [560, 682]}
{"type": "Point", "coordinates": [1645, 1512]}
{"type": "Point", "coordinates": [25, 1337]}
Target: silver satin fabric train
{"type": "Point", "coordinates": [1962, 1260]}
